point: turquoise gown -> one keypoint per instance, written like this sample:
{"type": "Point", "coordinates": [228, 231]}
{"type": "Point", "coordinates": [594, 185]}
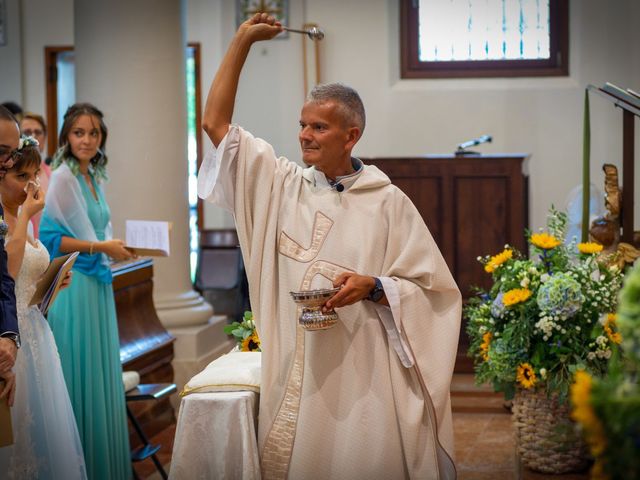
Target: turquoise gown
{"type": "Point", "coordinates": [84, 324]}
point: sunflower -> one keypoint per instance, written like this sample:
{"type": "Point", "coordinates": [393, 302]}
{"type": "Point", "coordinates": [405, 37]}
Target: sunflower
{"type": "Point", "coordinates": [516, 295]}
{"type": "Point", "coordinates": [589, 247]}
{"type": "Point", "coordinates": [544, 241]}
{"type": "Point", "coordinates": [251, 343]}
{"type": "Point", "coordinates": [526, 376]}
{"type": "Point", "coordinates": [484, 348]}
{"type": "Point", "coordinates": [584, 414]}
{"type": "Point", "coordinates": [609, 326]}
{"type": "Point", "coordinates": [497, 260]}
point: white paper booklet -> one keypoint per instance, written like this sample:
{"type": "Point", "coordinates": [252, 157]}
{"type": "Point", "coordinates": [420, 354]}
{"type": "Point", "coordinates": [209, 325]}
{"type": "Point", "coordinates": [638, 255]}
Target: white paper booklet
{"type": "Point", "coordinates": [148, 238]}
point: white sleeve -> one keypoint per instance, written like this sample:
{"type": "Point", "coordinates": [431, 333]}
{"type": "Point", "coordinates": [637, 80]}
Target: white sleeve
{"type": "Point", "coordinates": [389, 315]}
{"type": "Point", "coordinates": [217, 175]}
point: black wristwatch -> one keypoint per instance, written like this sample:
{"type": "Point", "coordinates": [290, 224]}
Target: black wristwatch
{"type": "Point", "coordinates": [13, 336]}
{"type": "Point", "coordinates": [377, 292]}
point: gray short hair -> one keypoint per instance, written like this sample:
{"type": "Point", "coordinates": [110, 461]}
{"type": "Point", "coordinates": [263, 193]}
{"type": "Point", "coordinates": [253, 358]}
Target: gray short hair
{"type": "Point", "coordinates": [346, 97]}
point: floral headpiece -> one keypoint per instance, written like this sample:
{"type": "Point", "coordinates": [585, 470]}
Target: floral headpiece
{"type": "Point", "coordinates": [26, 141]}
{"type": "Point", "coordinates": [11, 160]}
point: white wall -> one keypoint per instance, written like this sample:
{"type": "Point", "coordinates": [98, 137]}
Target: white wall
{"type": "Point", "coordinates": [541, 116]}
{"type": "Point", "coordinates": [10, 56]}
{"type": "Point", "coordinates": [44, 23]}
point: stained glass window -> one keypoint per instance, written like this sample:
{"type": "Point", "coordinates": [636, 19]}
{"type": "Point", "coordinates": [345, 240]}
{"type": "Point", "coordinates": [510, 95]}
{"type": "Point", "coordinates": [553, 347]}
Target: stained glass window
{"type": "Point", "coordinates": [482, 37]}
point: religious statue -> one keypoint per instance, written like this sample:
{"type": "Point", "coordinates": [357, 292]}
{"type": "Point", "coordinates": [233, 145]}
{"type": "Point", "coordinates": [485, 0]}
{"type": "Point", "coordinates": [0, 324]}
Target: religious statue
{"type": "Point", "coordinates": [606, 229]}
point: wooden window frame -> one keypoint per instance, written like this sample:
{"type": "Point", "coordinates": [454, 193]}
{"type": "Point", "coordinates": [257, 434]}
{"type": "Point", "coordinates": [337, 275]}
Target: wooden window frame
{"type": "Point", "coordinates": [51, 91]}
{"type": "Point", "coordinates": [556, 65]}
{"type": "Point", "coordinates": [196, 55]}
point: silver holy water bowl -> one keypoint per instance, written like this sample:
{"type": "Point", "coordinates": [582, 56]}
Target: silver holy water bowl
{"type": "Point", "coordinates": [311, 315]}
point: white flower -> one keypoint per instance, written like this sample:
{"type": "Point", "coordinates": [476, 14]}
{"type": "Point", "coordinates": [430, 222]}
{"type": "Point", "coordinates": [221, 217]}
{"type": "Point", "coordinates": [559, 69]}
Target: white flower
{"type": "Point", "coordinates": [543, 373]}
{"type": "Point", "coordinates": [591, 356]}
{"type": "Point", "coordinates": [544, 277]}
{"type": "Point", "coordinates": [601, 340]}
{"type": "Point", "coordinates": [525, 282]}
{"type": "Point", "coordinates": [27, 142]}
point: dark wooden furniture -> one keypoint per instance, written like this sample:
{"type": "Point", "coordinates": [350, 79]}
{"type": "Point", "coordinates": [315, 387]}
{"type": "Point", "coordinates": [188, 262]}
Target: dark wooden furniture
{"type": "Point", "coordinates": [472, 204]}
{"type": "Point", "coordinates": [220, 275]}
{"type": "Point", "coordinates": [145, 345]}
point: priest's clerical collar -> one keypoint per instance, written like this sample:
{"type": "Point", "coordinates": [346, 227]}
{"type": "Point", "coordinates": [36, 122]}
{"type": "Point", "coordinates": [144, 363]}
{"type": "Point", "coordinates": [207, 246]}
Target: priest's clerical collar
{"type": "Point", "coordinates": [356, 163]}
{"type": "Point", "coordinates": [341, 183]}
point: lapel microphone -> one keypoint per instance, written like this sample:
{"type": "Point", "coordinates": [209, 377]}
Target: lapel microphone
{"type": "Point", "coordinates": [337, 186]}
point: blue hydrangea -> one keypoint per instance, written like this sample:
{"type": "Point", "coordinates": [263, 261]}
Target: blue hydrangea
{"type": "Point", "coordinates": [560, 296]}
{"type": "Point", "coordinates": [497, 307]}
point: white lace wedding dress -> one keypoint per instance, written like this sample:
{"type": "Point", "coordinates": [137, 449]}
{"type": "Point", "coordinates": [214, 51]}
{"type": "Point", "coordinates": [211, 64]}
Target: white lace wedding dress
{"type": "Point", "coordinates": [46, 442]}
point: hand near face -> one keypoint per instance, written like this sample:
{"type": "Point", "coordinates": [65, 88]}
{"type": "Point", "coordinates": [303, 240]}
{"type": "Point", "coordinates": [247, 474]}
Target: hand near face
{"type": "Point", "coordinates": [354, 288]}
{"type": "Point", "coordinates": [260, 27]}
{"type": "Point", "coordinates": [9, 390]}
{"type": "Point", "coordinates": [35, 200]}
{"type": "Point", "coordinates": [8, 352]}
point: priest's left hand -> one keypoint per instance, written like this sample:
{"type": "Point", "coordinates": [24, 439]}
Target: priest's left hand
{"type": "Point", "coordinates": [354, 288]}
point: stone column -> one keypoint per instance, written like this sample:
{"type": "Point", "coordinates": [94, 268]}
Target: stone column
{"type": "Point", "coordinates": [130, 63]}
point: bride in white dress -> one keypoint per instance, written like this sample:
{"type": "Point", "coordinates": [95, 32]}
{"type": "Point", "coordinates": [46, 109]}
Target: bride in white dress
{"type": "Point", "coordinates": [46, 441]}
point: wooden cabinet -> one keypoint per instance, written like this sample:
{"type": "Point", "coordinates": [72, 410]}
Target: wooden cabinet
{"type": "Point", "coordinates": [145, 345]}
{"type": "Point", "coordinates": [473, 205]}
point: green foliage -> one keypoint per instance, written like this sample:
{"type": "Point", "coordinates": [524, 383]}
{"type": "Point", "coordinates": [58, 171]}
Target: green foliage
{"type": "Point", "coordinates": [244, 333]}
{"type": "Point", "coordinates": [616, 398]}
{"type": "Point", "coordinates": [556, 323]}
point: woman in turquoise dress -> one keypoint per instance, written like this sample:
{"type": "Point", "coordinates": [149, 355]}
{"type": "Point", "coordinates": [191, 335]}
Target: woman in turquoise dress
{"type": "Point", "coordinates": [83, 318]}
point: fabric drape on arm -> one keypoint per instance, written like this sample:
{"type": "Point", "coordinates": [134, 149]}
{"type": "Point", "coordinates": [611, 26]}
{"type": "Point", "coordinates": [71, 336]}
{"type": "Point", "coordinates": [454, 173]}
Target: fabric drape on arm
{"type": "Point", "coordinates": [65, 215]}
{"type": "Point", "coordinates": [251, 190]}
{"type": "Point", "coordinates": [428, 318]}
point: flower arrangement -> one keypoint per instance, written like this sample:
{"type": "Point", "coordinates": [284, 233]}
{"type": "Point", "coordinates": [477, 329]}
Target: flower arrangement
{"type": "Point", "coordinates": [245, 333]}
{"type": "Point", "coordinates": [545, 316]}
{"type": "Point", "coordinates": [608, 409]}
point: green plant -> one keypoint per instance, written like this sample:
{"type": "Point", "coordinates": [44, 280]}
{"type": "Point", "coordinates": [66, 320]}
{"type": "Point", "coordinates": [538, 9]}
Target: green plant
{"type": "Point", "coordinates": [245, 333]}
{"type": "Point", "coordinates": [608, 409]}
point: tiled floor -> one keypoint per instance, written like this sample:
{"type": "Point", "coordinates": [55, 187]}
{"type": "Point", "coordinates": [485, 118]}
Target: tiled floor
{"type": "Point", "coordinates": [485, 448]}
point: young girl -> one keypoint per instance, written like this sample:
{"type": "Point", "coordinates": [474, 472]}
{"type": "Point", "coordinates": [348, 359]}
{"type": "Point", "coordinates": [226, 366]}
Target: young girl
{"type": "Point", "coordinates": [46, 441]}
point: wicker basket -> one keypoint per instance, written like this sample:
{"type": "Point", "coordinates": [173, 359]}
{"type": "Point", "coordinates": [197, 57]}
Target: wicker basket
{"type": "Point", "coordinates": [547, 439]}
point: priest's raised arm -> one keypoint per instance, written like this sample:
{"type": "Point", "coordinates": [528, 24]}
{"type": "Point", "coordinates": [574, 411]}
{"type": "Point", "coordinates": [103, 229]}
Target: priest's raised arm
{"type": "Point", "coordinates": [218, 110]}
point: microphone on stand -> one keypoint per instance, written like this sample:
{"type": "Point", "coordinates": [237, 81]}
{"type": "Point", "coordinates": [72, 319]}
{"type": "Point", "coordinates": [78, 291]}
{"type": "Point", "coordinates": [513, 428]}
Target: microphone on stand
{"type": "Point", "coordinates": [462, 148]}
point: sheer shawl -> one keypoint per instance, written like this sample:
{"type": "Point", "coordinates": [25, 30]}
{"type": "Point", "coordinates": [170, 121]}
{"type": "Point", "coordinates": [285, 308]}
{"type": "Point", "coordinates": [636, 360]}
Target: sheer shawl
{"type": "Point", "coordinates": [65, 215]}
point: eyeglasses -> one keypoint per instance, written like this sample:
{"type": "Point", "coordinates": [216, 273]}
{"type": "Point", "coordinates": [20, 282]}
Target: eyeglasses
{"type": "Point", "coordinates": [33, 133]}
{"type": "Point", "coordinates": [7, 154]}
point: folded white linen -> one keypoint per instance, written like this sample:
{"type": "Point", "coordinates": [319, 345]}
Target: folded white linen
{"type": "Point", "coordinates": [233, 372]}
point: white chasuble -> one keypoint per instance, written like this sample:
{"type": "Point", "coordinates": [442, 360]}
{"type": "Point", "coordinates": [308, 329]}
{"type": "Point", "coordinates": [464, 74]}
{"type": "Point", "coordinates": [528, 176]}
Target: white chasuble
{"type": "Point", "coordinates": [368, 398]}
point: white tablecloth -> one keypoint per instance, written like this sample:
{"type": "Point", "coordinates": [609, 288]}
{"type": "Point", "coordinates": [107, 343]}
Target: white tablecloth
{"type": "Point", "coordinates": [216, 437]}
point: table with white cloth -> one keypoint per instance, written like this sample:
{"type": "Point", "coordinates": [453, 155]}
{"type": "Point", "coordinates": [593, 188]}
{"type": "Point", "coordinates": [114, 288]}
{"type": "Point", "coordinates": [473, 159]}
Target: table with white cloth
{"type": "Point", "coordinates": [216, 437]}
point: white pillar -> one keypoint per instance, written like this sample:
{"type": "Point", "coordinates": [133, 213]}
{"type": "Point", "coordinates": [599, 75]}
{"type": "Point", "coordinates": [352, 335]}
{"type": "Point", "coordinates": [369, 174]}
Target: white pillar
{"type": "Point", "coordinates": [130, 63]}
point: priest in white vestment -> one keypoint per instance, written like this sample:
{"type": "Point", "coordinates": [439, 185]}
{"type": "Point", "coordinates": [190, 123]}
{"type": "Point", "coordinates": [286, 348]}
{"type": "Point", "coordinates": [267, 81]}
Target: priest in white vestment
{"type": "Point", "coordinates": [368, 398]}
